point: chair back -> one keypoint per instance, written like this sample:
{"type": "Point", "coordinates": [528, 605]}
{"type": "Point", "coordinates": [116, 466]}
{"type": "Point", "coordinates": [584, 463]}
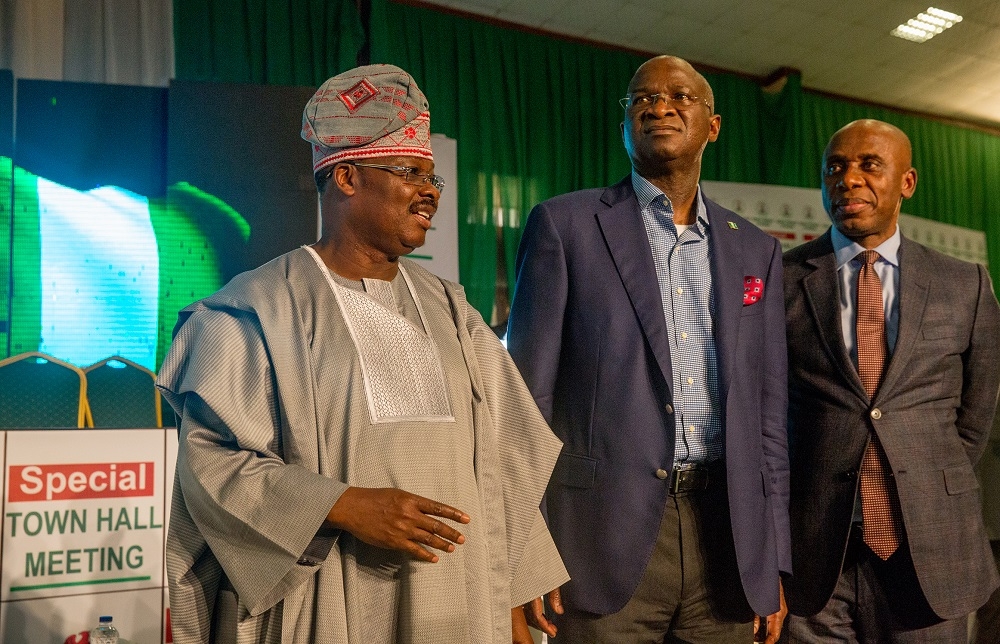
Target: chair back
{"type": "Point", "coordinates": [122, 393]}
{"type": "Point", "coordinates": [40, 391]}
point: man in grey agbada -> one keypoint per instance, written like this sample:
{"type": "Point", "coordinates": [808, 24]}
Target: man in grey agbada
{"type": "Point", "coordinates": [359, 459]}
{"type": "Point", "coordinates": [893, 380]}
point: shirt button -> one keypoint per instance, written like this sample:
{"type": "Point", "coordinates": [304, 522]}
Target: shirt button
{"type": "Point", "coordinates": [690, 428]}
{"type": "Point", "coordinates": [690, 381]}
{"type": "Point", "coordinates": [661, 474]}
{"type": "Point", "coordinates": [679, 290]}
{"type": "Point", "coordinates": [876, 413]}
{"type": "Point", "coordinates": [684, 335]}
{"type": "Point", "coordinates": [669, 408]}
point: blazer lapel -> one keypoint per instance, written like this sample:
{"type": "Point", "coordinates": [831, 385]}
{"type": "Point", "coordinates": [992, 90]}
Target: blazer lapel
{"type": "Point", "coordinates": [824, 304]}
{"type": "Point", "coordinates": [623, 230]}
{"type": "Point", "coordinates": [726, 260]}
{"type": "Point", "coordinates": [915, 270]}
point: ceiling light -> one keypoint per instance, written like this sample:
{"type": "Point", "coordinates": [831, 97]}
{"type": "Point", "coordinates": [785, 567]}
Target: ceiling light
{"type": "Point", "coordinates": [926, 25]}
{"type": "Point", "coordinates": [941, 13]}
{"type": "Point", "coordinates": [934, 20]}
{"type": "Point", "coordinates": [906, 32]}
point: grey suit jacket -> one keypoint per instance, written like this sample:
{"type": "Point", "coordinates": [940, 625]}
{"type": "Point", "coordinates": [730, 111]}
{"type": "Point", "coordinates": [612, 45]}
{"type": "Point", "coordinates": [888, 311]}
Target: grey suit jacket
{"type": "Point", "coordinates": [932, 413]}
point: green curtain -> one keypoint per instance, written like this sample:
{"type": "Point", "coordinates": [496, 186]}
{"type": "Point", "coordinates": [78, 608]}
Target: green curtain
{"type": "Point", "coordinates": [781, 137]}
{"type": "Point", "coordinates": [270, 42]}
{"type": "Point", "coordinates": [957, 168]}
{"type": "Point", "coordinates": [542, 114]}
{"type": "Point", "coordinates": [536, 116]}
{"type": "Point", "coordinates": [739, 153]}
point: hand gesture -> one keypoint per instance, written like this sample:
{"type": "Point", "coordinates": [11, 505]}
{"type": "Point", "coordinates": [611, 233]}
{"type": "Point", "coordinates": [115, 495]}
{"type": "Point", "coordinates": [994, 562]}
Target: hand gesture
{"type": "Point", "coordinates": [534, 611]}
{"type": "Point", "coordinates": [773, 623]}
{"type": "Point", "coordinates": [397, 520]}
{"type": "Point", "coordinates": [519, 627]}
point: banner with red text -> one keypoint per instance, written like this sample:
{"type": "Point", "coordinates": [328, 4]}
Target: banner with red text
{"type": "Point", "coordinates": [84, 527]}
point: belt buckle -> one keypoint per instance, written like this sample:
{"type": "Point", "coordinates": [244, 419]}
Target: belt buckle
{"type": "Point", "coordinates": [676, 475]}
{"type": "Point", "coordinates": [675, 480]}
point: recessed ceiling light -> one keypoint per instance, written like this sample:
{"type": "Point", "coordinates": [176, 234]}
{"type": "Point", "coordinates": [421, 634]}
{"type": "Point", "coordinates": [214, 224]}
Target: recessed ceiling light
{"type": "Point", "coordinates": [926, 25]}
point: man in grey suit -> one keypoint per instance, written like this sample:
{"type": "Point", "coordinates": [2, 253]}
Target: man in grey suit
{"type": "Point", "coordinates": [893, 385]}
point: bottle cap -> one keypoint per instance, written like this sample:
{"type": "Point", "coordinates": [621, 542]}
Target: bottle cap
{"type": "Point", "coordinates": [105, 618]}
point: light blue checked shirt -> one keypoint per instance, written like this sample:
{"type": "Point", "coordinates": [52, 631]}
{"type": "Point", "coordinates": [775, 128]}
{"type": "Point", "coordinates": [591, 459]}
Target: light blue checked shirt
{"type": "Point", "coordinates": [685, 277]}
{"type": "Point", "coordinates": [848, 268]}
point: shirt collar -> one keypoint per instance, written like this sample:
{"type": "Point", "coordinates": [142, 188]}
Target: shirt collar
{"type": "Point", "coordinates": [646, 193]}
{"type": "Point", "coordinates": [845, 249]}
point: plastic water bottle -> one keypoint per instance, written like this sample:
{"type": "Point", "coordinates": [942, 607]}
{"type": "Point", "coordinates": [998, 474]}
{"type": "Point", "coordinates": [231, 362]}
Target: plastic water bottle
{"type": "Point", "coordinates": [105, 632]}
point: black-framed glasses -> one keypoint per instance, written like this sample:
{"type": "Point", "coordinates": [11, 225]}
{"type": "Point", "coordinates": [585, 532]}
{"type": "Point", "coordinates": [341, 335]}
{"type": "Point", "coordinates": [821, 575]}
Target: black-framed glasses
{"type": "Point", "coordinates": [677, 100]}
{"type": "Point", "coordinates": [410, 175]}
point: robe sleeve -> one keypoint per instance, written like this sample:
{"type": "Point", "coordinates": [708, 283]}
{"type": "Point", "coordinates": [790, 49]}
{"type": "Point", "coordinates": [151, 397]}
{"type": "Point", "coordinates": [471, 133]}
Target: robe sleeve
{"type": "Point", "coordinates": [528, 450]}
{"type": "Point", "coordinates": [541, 568]}
{"type": "Point", "coordinates": [261, 517]}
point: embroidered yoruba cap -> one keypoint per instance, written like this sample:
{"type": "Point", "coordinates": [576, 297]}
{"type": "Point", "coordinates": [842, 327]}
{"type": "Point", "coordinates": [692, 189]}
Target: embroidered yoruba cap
{"type": "Point", "coordinates": [367, 112]}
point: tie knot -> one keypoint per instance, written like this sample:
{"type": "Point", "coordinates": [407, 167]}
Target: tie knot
{"type": "Point", "coordinates": [868, 257]}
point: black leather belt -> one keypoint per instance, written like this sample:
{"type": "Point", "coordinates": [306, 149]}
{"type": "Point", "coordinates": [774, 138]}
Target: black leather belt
{"type": "Point", "coordinates": [696, 477]}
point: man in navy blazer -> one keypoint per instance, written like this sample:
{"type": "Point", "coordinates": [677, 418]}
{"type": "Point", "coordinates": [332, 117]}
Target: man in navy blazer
{"type": "Point", "coordinates": [648, 323]}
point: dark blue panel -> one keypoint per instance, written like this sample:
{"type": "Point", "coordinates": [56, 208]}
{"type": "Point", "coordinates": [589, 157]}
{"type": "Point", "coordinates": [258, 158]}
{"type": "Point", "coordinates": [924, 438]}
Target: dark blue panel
{"type": "Point", "coordinates": [85, 135]}
{"type": "Point", "coordinates": [241, 143]}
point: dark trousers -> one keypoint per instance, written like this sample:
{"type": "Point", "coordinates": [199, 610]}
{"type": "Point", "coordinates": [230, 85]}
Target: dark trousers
{"type": "Point", "coordinates": [988, 617]}
{"type": "Point", "coordinates": [690, 591]}
{"type": "Point", "coordinates": [876, 602]}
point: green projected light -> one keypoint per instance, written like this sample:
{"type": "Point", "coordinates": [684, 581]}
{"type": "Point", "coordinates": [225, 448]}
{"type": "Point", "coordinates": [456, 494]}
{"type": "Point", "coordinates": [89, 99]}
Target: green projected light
{"type": "Point", "coordinates": [103, 272]}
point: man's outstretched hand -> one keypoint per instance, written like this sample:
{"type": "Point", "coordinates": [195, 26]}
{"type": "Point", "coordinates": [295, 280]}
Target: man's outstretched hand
{"type": "Point", "coordinates": [397, 520]}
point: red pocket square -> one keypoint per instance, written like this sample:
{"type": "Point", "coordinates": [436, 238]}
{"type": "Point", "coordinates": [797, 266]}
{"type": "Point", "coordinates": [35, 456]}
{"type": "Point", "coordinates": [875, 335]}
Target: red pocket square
{"type": "Point", "coordinates": [753, 290]}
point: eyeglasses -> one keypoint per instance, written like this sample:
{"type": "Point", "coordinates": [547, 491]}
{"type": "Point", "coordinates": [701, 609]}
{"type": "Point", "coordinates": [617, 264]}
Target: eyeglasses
{"type": "Point", "coordinates": [677, 100]}
{"type": "Point", "coordinates": [409, 175]}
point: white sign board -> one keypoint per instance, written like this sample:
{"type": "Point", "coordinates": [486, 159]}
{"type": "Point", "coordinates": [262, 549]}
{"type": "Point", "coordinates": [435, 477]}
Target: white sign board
{"type": "Point", "coordinates": [84, 520]}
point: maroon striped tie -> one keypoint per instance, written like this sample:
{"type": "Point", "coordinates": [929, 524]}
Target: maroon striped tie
{"type": "Point", "coordinates": [879, 499]}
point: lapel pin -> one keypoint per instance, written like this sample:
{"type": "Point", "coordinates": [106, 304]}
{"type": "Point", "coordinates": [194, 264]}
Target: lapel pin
{"type": "Point", "coordinates": [732, 224]}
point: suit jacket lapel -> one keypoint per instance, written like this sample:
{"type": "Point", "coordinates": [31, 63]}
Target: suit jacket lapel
{"type": "Point", "coordinates": [623, 230]}
{"type": "Point", "coordinates": [821, 289]}
{"type": "Point", "coordinates": [725, 253]}
{"type": "Point", "coordinates": [915, 270]}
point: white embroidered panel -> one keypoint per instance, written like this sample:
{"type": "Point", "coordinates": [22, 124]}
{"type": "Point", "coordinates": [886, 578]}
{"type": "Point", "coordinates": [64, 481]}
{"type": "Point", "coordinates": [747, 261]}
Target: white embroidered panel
{"type": "Point", "coordinates": [400, 364]}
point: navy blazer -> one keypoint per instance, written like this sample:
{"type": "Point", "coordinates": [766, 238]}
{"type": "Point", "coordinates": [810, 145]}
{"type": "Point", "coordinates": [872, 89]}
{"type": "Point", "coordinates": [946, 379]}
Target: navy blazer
{"type": "Point", "coordinates": [588, 332]}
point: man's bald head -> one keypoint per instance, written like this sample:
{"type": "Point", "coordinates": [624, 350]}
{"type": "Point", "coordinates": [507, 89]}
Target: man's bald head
{"type": "Point", "coordinates": [904, 151]}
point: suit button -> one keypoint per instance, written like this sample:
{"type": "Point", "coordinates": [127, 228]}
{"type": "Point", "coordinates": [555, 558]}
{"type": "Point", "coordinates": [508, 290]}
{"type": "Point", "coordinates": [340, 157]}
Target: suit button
{"type": "Point", "coordinates": [670, 408]}
{"type": "Point", "coordinates": [661, 474]}
{"type": "Point", "coordinates": [876, 413]}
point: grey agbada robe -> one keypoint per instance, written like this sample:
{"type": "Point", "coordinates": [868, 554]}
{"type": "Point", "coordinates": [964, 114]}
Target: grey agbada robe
{"type": "Point", "coordinates": [281, 412]}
